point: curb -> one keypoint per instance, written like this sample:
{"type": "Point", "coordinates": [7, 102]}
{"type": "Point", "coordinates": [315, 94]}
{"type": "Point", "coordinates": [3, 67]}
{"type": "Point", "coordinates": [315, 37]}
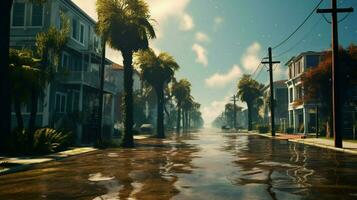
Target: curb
{"type": "Point", "coordinates": [301, 141]}
{"type": "Point", "coordinates": [53, 157]}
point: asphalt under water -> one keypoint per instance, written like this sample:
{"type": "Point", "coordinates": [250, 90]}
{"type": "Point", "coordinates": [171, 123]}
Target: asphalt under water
{"type": "Point", "coordinates": [204, 165]}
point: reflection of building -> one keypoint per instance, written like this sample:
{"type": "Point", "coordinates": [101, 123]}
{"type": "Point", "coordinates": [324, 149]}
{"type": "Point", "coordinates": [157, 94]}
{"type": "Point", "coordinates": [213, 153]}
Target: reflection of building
{"type": "Point", "coordinates": [72, 97]}
{"type": "Point", "coordinates": [302, 115]}
{"type": "Point", "coordinates": [281, 104]}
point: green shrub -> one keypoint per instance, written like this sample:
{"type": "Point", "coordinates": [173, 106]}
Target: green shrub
{"type": "Point", "coordinates": [48, 140]}
{"type": "Point", "coordinates": [263, 128]}
{"type": "Point", "coordinates": [289, 130]}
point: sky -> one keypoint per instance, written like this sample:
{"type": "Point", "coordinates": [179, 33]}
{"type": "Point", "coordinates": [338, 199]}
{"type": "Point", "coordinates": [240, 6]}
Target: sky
{"type": "Point", "coordinates": [215, 42]}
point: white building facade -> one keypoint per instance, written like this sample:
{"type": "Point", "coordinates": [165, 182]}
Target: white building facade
{"type": "Point", "coordinates": [302, 115]}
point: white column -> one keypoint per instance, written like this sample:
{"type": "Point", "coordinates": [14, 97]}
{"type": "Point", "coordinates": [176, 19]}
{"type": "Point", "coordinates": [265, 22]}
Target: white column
{"type": "Point", "coordinates": [305, 116]}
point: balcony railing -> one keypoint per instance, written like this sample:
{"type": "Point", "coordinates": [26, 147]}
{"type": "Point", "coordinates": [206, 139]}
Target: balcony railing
{"type": "Point", "coordinates": [91, 79]}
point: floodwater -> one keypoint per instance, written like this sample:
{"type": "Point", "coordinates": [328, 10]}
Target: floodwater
{"type": "Point", "coordinates": [204, 165]}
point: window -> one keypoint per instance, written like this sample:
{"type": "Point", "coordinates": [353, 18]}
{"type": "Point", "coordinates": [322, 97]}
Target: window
{"type": "Point", "coordinates": [81, 33]}
{"type": "Point", "coordinates": [18, 14]}
{"type": "Point", "coordinates": [37, 15]}
{"type": "Point", "coordinates": [75, 29]}
{"type": "Point", "coordinates": [290, 75]}
{"type": "Point", "coordinates": [60, 102]}
{"type": "Point", "coordinates": [291, 95]}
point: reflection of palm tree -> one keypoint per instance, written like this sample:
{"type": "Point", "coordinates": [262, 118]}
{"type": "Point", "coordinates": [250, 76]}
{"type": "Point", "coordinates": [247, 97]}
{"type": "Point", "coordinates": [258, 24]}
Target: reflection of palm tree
{"type": "Point", "coordinates": [126, 26]}
{"type": "Point", "coordinates": [157, 71]}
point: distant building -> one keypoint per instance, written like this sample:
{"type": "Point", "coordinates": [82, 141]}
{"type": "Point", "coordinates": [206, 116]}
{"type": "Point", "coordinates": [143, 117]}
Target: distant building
{"type": "Point", "coordinates": [72, 97]}
{"type": "Point", "coordinates": [117, 76]}
{"type": "Point", "coordinates": [281, 105]}
{"type": "Point", "coordinates": [302, 115]}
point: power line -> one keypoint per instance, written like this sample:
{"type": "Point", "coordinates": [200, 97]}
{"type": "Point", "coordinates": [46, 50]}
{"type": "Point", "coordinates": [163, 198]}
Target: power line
{"type": "Point", "coordinates": [298, 28]}
{"type": "Point", "coordinates": [299, 42]}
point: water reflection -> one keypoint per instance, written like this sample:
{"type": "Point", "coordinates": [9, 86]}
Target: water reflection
{"type": "Point", "coordinates": [203, 165]}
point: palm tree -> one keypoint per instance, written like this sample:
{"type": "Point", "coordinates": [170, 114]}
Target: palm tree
{"type": "Point", "coordinates": [5, 82]}
{"type": "Point", "coordinates": [180, 90]}
{"type": "Point", "coordinates": [249, 91]}
{"type": "Point", "coordinates": [125, 25]}
{"type": "Point", "coordinates": [158, 72]}
{"type": "Point", "coordinates": [24, 76]}
{"type": "Point", "coordinates": [51, 42]}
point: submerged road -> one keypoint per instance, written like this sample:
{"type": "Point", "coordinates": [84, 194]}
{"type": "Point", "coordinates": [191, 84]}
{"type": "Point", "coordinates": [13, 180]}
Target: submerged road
{"type": "Point", "coordinates": [204, 165]}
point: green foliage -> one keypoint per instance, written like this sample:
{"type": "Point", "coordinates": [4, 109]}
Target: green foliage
{"type": "Point", "coordinates": [289, 130]}
{"type": "Point", "coordinates": [263, 128]}
{"type": "Point", "coordinates": [24, 69]}
{"type": "Point", "coordinates": [53, 40]}
{"type": "Point", "coordinates": [156, 70]}
{"type": "Point", "coordinates": [125, 24]}
{"type": "Point", "coordinates": [48, 140]}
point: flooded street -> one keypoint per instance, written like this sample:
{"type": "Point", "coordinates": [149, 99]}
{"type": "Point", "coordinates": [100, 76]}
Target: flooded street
{"type": "Point", "coordinates": [204, 165]}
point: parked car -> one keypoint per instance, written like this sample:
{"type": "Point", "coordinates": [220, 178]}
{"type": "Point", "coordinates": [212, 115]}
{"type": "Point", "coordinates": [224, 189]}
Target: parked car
{"type": "Point", "coordinates": [146, 128]}
{"type": "Point", "coordinates": [225, 127]}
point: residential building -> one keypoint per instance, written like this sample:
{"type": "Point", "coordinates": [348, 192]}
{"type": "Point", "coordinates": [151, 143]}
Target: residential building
{"type": "Point", "coordinates": [72, 96]}
{"type": "Point", "coordinates": [302, 115]}
{"type": "Point", "coordinates": [117, 75]}
{"type": "Point", "coordinates": [281, 105]}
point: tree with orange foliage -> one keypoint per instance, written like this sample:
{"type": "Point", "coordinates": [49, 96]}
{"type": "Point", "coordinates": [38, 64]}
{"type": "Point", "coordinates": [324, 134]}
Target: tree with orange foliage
{"type": "Point", "coordinates": [317, 82]}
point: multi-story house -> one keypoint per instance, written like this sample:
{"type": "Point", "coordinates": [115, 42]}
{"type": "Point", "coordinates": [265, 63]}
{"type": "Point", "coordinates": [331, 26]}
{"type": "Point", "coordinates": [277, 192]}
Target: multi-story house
{"type": "Point", "coordinates": [281, 105]}
{"type": "Point", "coordinates": [302, 114]}
{"type": "Point", "coordinates": [72, 96]}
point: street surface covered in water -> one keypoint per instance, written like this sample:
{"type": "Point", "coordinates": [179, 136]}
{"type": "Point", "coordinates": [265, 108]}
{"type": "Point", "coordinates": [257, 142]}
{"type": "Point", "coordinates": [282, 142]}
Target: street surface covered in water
{"type": "Point", "coordinates": [204, 165]}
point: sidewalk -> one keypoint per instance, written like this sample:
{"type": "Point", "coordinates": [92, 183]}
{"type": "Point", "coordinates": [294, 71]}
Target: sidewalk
{"type": "Point", "coordinates": [348, 147]}
{"type": "Point", "coordinates": [15, 164]}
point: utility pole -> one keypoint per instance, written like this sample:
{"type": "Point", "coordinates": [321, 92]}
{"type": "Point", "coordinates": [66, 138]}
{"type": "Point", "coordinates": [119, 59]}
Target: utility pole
{"type": "Point", "coordinates": [272, 106]}
{"type": "Point", "coordinates": [234, 99]}
{"type": "Point", "coordinates": [337, 102]}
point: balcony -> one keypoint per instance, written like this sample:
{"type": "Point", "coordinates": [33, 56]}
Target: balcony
{"type": "Point", "coordinates": [91, 79]}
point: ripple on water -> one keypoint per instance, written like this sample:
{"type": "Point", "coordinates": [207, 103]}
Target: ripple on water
{"type": "Point", "coordinates": [110, 183]}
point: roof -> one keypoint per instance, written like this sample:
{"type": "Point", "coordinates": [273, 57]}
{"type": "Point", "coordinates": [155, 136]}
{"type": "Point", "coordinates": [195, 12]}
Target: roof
{"type": "Point", "coordinates": [306, 53]}
{"type": "Point", "coordinates": [116, 66]}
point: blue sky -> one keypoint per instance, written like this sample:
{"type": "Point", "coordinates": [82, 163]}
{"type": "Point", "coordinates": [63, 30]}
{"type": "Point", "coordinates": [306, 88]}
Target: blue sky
{"type": "Point", "coordinates": [217, 41]}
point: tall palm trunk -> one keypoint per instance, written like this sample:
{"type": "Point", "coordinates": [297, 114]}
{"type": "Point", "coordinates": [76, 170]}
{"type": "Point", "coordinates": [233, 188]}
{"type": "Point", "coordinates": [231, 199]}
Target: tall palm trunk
{"type": "Point", "coordinates": [178, 122]}
{"type": "Point", "coordinates": [160, 113]}
{"type": "Point", "coordinates": [128, 138]}
{"type": "Point", "coordinates": [17, 106]}
{"type": "Point", "coordinates": [250, 127]}
{"type": "Point", "coordinates": [35, 93]}
{"type": "Point", "coordinates": [5, 84]}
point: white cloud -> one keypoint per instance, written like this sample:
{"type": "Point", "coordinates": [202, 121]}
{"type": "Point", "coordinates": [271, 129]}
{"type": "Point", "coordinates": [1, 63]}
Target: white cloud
{"type": "Point", "coordinates": [220, 80]}
{"type": "Point", "coordinates": [218, 20]}
{"type": "Point", "coordinates": [201, 37]}
{"type": "Point", "coordinates": [201, 54]}
{"type": "Point", "coordinates": [213, 110]}
{"type": "Point", "coordinates": [280, 73]}
{"type": "Point", "coordinates": [250, 59]}
{"type": "Point", "coordinates": [186, 22]}
{"type": "Point", "coordinates": [163, 11]}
